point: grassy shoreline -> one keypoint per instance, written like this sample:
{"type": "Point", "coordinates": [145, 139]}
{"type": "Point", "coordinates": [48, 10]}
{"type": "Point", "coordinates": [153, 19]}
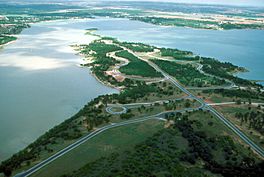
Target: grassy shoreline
{"type": "Point", "coordinates": [84, 122]}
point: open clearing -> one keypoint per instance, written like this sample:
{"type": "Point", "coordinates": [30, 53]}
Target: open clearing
{"type": "Point", "coordinates": [113, 140]}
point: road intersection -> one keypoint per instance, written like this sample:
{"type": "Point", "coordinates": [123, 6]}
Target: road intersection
{"type": "Point", "coordinates": [159, 116]}
{"type": "Point", "coordinates": [208, 107]}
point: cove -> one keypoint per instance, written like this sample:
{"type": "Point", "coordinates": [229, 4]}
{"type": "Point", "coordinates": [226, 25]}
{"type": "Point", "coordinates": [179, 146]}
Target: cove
{"type": "Point", "coordinates": [41, 83]}
{"type": "Point", "coordinates": [240, 47]}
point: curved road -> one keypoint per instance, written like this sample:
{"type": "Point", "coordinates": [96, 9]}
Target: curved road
{"type": "Point", "coordinates": [200, 69]}
{"type": "Point", "coordinates": [135, 105]}
{"type": "Point", "coordinates": [229, 124]}
{"type": "Point", "coordinates": [45, 162]}
{"type": "Point", "coordinates": [79, 142]}
{"type": "Point", "coordinates": [160, 116]}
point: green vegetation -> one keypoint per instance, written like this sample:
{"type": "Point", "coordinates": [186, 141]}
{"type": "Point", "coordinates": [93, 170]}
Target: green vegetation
{"type": "Point", "coordinates": [178, 22]}
{"type": "Point", "coordinates": [187, 146]}
{"type": "Point", "coordinates": [141, 92]}
{"type": "Point", "coordinates": [101, 62]}
{"type": "Point", "coordinates": [87, 119]}
{"type": "Point", "coordinates": [178, 54]}
{"type": "Point", "coordinates": [10, 26]}
{"type": "Point", "coordinates": [113, 140]}
{"type": "Point", "coordinates": [254, 119]}
{"type": "Point", "coordinates": [246, 95]}
{"type": "Point", "coordinates": [225, 70]}
{"type": "Point", "coordinates": [228, 26]}
{"type": "Point", "coordinates": [247, 117]}
{"type": "Point", "coordinates": [205, 147]}
{"type": "Point", "coordinates": [136, 47]}
{"type": "Point", "coordinates": [203, 24]}
{"type": "Point", "coordinates": [13, 24]}
{"type": "Point", "coordinates": [187, 75]}
{"type": "Point", "coordinates": [136, 66]}
{"type": "Point", "coordinates": [6, 39]}
{"type": "Point", "coordinates": [92, 29]}
{"type": "Point", "coordinates": [40, 12]}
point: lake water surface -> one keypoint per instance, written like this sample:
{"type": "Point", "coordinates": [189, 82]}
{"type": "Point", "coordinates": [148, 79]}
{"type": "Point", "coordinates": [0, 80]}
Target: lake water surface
{"type": "Point", "coordinates": [41, 85]}
{"type": "Point", "coordinates": [241, 47]}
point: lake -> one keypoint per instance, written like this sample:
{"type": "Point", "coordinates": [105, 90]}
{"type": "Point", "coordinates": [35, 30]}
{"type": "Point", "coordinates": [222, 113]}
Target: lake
{"type": "Point", "coordinates": [41, 84]}
{"type": "Point", "coordinates": [240, 47]}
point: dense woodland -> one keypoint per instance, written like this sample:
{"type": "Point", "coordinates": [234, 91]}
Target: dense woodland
{"type": "Point", "coordinates": [225, 70]}
{"type": "Point", "coordinates": [136, 66]}
{"type": "Point", "coordinates": [180, 150]}
{"type": "Point", "coordinates": [90, 116]}
{"type": "Point", "coordinates": [178, 54]}
{"type": "Point", "coordinates": [187, 74]}
{"type": "Point", "coordinates": [157, 155]}
{"type": "Point", "coordinates": [136, 47]}
{"type": "Point", "coordinates": [101, 62]}
{"type": "Point", "coordinates": [6, 39]}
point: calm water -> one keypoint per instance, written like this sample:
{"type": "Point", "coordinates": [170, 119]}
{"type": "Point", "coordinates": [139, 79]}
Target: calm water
{"type": "Point", "coordinates": [241, 47]}
{"type": "Point", "coordinates": [41, 84]}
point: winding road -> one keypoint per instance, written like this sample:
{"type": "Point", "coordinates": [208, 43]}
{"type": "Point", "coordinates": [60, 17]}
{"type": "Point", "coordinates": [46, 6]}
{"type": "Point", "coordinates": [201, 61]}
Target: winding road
{"type": "Point", "coordinates": [79, 142]}
{"type": "Point", "coordinates": [230, 84]}
{"type": "Point", "coordinates": [208, 107]}
{"type": "Point", "coordinates": [159, 116]}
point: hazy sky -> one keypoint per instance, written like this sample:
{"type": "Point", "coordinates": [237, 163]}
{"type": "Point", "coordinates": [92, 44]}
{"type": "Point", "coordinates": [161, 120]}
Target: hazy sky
{"type": "Point", "coordinates": [228, 2]}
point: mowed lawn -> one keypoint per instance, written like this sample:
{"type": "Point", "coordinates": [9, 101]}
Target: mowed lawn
{"type": "Point", "coordinates": [112, 140]}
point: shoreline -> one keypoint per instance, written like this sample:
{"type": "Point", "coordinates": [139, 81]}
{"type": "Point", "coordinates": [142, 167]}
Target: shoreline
{"type": "Point", "coordinates": [82, 56]}
{"type": "Point", "coordinates": [94, 75]}
{"type": "Point", "coordinates": [74, 60]}
{"type": "Point", "coordinates": [76, 48]}
{"type": "Point", "coordinates": [8, 43]}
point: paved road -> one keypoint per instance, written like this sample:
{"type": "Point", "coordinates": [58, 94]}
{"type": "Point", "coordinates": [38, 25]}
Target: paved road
{"type": "Point", "coordinates": [205, 106]}
{"type": "Point", "coordinates": [227, 103]}
{"type": "Point", "coordinates": [218, 104]}
{"type": "Point", "coordinates": [81, 141]}
{"type": "Point", "coordinates": [109, 109]}
{"type": "Point", "coordinates": [248, 141]}
{"type": "Point", "coordinates": [135, 105]}
{"type": "Point", "coordinates": [230, 85]}
{"type": "Point", "coordinates": [161, 115]}
{"type": "Point", "coordinates": [124, 62]}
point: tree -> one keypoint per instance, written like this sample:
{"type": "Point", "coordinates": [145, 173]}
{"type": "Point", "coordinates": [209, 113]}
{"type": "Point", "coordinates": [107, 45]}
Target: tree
{"type": "Point", "coordinates": [187, 104]}
{"type": "Point", "coordinates": [126, 116]}
{"type": "Point", "coordinates": [238, 101]}
{"type": "Point", "coordinates": [7, 171]}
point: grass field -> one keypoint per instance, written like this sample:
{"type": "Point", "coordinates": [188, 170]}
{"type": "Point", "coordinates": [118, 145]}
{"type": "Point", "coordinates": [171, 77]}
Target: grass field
{"type": "Point", "coordinates": [214, 128]}
{"type": "Point", "coordinates": [230, 110]}
{"type": "Point", "coordinates": [192, 145]}
{"type": "Point", "coordinates": [136, 66]}
{"type": "Point", "coordinates": [112, 140]}
{"type": "Point", "coordinates": [187, 74]}
{"type": "Point", "coordinates": [117, 109]}
{"type": "Point", "coordinates": [213, 97]}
